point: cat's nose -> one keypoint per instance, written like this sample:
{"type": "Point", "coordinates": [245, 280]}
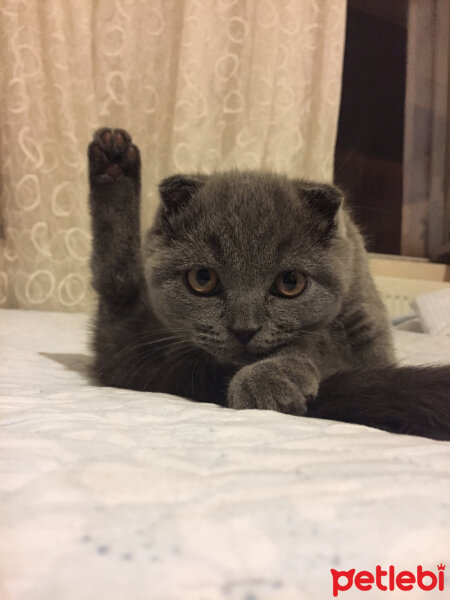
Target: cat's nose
{"type": "Point", "coordinates": [244, 335]}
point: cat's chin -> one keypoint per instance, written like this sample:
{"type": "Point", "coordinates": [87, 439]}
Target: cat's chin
{"type": "Point", "coordinates": [238, 358]}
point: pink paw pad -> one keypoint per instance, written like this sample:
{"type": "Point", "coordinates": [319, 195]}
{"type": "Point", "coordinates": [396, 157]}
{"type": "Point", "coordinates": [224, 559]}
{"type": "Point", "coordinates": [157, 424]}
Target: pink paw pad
{"type": "Point", "coordinates": [112, 155]}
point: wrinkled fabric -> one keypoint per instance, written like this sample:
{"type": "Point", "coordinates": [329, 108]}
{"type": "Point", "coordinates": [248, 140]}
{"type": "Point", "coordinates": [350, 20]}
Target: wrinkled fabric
{"type": "Point", "coordinates": [109, 493]}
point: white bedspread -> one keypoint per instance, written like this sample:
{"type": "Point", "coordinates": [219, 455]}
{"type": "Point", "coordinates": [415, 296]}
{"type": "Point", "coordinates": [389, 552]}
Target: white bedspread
{"type": "Point", "coordinates": [111, 494]}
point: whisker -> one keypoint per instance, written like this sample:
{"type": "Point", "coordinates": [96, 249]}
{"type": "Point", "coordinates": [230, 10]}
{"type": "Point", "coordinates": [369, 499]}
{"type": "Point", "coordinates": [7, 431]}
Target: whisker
{"type": "Point", "coordinates": [128, 350]}
{"type": "Point", "coordinates": [184, 354]}
{"type": "Point", "coordinates": [154, 353]}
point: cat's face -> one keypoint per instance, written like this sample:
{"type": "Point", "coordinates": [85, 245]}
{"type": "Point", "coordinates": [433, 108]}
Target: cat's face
{"type": "Point", "coordinates": [242, 264]}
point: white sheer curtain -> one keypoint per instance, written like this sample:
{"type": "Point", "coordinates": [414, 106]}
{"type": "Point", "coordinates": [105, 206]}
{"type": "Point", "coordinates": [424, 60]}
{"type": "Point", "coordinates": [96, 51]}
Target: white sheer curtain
{"type": "Point", "coordinates": [200, 84]}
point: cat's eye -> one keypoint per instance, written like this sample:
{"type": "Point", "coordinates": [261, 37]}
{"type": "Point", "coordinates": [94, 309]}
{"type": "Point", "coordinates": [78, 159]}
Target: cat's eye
{"type": "Point", "coordinates": [289, 284]}
{"type": "Point", "coordinates": [203, 280]}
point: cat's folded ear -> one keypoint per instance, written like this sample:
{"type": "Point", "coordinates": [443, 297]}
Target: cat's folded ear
{"type": "Point", "coordinates": [323, 199]}
{"type": "Point", "coordinates": [176, 191]}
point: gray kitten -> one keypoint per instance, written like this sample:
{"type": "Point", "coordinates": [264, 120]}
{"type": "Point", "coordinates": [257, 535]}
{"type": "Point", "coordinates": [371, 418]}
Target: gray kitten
{"type": "Point", "coordinates": [252, 290]}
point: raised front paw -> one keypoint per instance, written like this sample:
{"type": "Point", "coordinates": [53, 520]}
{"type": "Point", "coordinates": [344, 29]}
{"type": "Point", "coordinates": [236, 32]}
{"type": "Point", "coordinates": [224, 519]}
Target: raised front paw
{"type": "Point", "coordinates": [283, 383]}
{"type": "Point", "coordinates": [112, 156]}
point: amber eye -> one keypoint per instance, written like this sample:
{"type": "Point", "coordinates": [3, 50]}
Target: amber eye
{"type": "Point", "coordinates": [202, 280]}
{"type": "Point", "coordinates": [289, 284]}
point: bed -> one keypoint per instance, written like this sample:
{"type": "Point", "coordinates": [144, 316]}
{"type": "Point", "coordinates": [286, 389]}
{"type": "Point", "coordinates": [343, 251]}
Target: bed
{"type": "Point", "coordinates": [114, 494]}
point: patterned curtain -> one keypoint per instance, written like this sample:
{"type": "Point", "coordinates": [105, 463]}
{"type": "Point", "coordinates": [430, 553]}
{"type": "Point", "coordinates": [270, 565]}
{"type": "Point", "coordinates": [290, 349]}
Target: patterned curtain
{"type": "Point", "coordinates": [200, 84]}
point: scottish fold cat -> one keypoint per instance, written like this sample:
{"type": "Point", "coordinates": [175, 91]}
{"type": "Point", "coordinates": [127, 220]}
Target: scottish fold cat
{"type": "Point", "coordinates": [250, 290]}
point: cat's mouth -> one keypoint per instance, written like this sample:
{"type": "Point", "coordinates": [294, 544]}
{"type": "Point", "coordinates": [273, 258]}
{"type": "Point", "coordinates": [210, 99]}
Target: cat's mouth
{"type": "Point", "coordinates": [245, 355]}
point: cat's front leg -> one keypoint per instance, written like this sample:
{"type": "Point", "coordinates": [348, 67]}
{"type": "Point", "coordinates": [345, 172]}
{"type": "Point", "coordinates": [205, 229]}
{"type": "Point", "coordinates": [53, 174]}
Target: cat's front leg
{"type": "Point", "coordinates": [114, 199]}
{"type": "Point", "coordinates": [284, 383]}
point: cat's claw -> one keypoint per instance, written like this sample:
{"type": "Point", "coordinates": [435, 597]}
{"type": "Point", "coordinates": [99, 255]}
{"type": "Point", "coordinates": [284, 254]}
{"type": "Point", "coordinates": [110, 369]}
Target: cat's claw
{"type": "Point", "coordinates": [112, 155]}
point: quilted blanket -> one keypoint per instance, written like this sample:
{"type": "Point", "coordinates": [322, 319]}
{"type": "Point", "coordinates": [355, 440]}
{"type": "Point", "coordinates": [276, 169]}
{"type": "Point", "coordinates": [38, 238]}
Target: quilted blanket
{"type": "Point", "coordinates": [114, 494]}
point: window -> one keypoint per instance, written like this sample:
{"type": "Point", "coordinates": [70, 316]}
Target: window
{"type": "Point", "coordinates": [392, 151]}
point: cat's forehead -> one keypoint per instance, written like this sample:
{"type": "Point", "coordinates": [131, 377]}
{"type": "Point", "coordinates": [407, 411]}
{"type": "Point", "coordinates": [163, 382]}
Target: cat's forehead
{"type": "Point", "coordinates": [245, 224]}
{"type": "Point", "coordinates": [248, 206]}
{"type": "Point", "coordinates": [249, 220]}
{"type": "Point", "coordinates": [248, 193]}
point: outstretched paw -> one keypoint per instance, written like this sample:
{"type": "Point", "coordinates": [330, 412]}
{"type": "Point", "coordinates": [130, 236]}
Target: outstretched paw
{"type": "Point", "coordinates": [284, 384]}
{"type": "Point", "coordinates": [113, 156]}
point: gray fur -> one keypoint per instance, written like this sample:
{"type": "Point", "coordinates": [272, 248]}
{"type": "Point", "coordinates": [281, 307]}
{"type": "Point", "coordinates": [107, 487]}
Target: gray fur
{"type": "Point", "coordinates": [153, 333]}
